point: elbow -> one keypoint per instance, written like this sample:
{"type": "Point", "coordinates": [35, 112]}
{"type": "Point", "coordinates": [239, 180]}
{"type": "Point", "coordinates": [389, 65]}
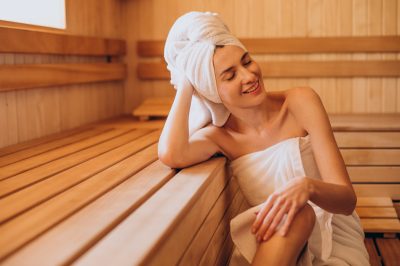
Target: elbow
{"type": "Point", "coordinates": [352, 203]}
{"type": "Point", "coordinates": [168, 158]}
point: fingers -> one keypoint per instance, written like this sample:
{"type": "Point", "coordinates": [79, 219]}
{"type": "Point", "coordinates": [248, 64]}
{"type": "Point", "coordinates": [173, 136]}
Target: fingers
{"type": "Point", "coordinates": [274, 224]}
{"type": "Point", "coordinates": [267, 221]}
{"type": "Point", "coordinates": [289, 220]}
{"type": "Point", "coordinates": [263, 212]}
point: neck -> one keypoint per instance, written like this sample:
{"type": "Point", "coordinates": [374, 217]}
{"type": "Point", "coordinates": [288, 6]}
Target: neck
{"type": "Point", "coordinates": [254, 119]}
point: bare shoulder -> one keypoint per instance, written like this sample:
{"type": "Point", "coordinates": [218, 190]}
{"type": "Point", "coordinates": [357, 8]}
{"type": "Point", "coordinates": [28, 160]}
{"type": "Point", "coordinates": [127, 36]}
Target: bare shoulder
{"type": "Point", "coordinates": [306, 105]}
{"type": "Point", "coordinates": [300, 96]}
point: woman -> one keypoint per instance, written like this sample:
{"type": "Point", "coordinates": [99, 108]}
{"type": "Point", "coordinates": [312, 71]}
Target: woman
{"type": "Point", "coordinates": [267, 124]}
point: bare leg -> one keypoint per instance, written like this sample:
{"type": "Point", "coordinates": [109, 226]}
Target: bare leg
{"type": "Point", "coordinates": [280, 250]}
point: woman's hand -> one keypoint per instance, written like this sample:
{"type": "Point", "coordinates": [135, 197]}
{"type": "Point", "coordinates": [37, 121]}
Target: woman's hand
{"type": "Point", "coordinates": [287, 200]}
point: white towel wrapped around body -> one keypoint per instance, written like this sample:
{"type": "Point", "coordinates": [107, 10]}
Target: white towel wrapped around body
{"type": "Point", "coordinates": [189, 51]}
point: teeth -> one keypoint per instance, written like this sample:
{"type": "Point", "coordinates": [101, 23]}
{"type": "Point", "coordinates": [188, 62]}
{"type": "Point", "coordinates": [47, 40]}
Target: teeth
{"type": "Point", "coordinates": [251, 90]}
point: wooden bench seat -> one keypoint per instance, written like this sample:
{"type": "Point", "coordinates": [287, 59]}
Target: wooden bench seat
{"type": "Point", "coordinates": [107, 187]}
{"type": "Point", "coordinates": [98, 195]}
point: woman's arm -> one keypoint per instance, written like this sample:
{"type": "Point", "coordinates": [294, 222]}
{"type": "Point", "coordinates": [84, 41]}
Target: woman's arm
{"type": "Point", "coordinates": [175, 149]}
{"type": "Point", "coordinates": [335, 192]}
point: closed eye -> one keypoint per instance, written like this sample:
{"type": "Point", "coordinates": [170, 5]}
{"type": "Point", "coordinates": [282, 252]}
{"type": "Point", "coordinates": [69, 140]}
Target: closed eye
{"type": "Point", "coordinates": [246, 64]}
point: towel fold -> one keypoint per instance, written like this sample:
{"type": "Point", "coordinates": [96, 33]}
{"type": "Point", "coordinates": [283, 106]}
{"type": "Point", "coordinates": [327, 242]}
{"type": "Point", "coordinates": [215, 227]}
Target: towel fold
{"type": "Point", "coordinates": [189, 51]}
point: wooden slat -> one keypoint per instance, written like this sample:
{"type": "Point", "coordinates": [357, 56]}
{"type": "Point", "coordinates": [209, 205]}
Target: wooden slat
{"type": "Point", "coordinates": [78, 233]}
{"type": "Point", "coordinates": [227, 202]}
{"type": "Point", "coordinates": [378, 190]}
{"type": "Point", "coordinates": [128, 121]}
{"type": "Point", "coordinates": [365, 122]}
{"type": "Point", "coordinates": [169, 252]}
{"type": "Point", "coordinates": [172, 202]}
{"type": "Point", "coordinates": [297, 45]}
{"type": "Point", "coordinates": [40, 173]}
{"type": "Point", "coordinates": [26, 41]}
{"type": "Point", "coordinates": [297, 69]}
{"type": "Point", "coordinates": [390, 251]}
{"type": "Point", "coordinates": [152, 110]}
{"type": "Point", "coordinates": [28, 76]}
{"type": "Point", "coordinates": [368, 139]}
{"type": "Point", "coordinates": [40, 159]}
{"type": "Point", "coordinates": [374, 258]}
{"type": "Point", "coordinates": [374, 212]}
{"type": "Point", "coordinates": [374, 202]}
{"type": "Point", "coordinates": [35, 142]}
{"type": "Point", "coordinates": [374, 174]}
{"type": "Point", "coordinates": [371, 156]}
{"type": "Point", "coordinates": [39, 192]}
{"type": "Point", "coordinates": [50, 145]}
{"type": "Point", "coordinates": [210, 256]}
{"type": "Point", "coordinates": [376, 225]}
{"type": "Point", "coordinates": [32, 223]}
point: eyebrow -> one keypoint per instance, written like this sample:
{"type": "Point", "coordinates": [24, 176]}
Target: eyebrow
{"type": "Point", "coordinates": [230, 68]}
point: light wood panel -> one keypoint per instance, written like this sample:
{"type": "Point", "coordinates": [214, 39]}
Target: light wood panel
{"type": "Point", "coordinates": [294, 45]}
{"type": "Point", "coordinates": [26, 115]}
{"type": "Point", "coordinates": [28, 76]}
{"type": "Point", "coordinates": [292, 69]}
{"type": "Point", "coordinates": [34, 42]}
{"type": "Point", "coordinates": [301, 19]}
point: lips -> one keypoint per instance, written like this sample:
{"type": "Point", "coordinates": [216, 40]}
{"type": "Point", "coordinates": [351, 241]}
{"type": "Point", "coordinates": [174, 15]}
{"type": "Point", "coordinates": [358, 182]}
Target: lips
{"type": "Point", "coordinates": [253, 88]}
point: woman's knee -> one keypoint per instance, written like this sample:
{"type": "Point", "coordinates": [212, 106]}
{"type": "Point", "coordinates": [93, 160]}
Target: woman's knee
{"type": "Point", "coordinates": [304, 220]}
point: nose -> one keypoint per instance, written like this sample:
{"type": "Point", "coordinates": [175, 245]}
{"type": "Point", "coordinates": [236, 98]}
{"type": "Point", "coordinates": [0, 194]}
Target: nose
{"type": "Point", "coordinates": [247, 76]}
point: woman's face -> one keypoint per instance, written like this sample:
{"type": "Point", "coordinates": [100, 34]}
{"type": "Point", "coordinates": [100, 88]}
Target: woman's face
{"type": "Point", "coordinates": [239, 79]}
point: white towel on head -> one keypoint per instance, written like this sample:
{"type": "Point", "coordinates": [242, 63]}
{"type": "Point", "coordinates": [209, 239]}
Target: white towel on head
{"type": "Point", "coordinates": [189, 51]}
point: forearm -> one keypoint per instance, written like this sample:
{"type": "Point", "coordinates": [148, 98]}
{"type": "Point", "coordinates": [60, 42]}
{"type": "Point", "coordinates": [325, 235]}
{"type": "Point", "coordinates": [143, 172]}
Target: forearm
{"type": "Point", "coordinates": [175, 134]}
{"type": "Point", "coordinates": [332, 197]}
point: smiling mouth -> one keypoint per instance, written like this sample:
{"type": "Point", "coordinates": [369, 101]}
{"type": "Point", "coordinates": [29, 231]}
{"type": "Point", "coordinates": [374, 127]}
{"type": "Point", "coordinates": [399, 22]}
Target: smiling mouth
{"type": "Point", "coordinates": [254, 88]}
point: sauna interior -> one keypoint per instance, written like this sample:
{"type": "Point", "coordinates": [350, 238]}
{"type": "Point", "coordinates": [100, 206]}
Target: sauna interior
{"type": "Point", "coordinates": [83, 103]}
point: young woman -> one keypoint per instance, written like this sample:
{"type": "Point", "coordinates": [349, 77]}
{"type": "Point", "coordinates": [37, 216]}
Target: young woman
{"type": "Point", "coordinates": [263, 125]}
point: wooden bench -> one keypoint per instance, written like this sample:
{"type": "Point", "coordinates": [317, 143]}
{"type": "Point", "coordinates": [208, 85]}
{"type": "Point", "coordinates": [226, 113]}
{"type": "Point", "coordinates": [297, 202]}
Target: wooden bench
{"type": "Point", "coordinates": [77, 195]}
{"type": "Point", "coordinates": [99, 195]}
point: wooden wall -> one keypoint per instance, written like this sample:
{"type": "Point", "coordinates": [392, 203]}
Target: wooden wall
{"type": "Point", "coordinates": [29, 114]}
{"type": "Point", "coordinates": [151, 19]}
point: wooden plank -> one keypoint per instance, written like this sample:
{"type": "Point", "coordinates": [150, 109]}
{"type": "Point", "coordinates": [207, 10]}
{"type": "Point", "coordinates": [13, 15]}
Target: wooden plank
{"type": "Point", "coordinates": [365, 122]}
{"type": "Point", "coordinates": [37, 174]}
{"type": "Point", "coordinates": [376, 225]}
{"type": "Point", "coordinates": [210, 256]}
{"type": "Point", "coordinates": [34, 222]}
{"type": "Point", "coordinates": [150, 228]}
{"type": "Point", "coordinates": [35, 142]}
{"type": "Point", "coordinates": [374, 174]}
{"type": "Point", "coordinates": [128, 121]}
{"type": "Point", "coordinates": [28, 76]}
{"type": "Point", "coordinates": [147, 48]}
{"type": "Point", "coordinates": [378, 190]}
{"type": "Point", "coordinates": [390, 251]}
{"type": "Point", "coordinates": [40, 159]}
{"type": "Point", "coordinates": [296, 69]}
{"type": "Point", "coordinates": [374, 257]}
{"type": "Point", "coordinates": [29, 41]}
{"type": "Point", "coordinates": [371, 156]}
{"type": "Point", "coordinates": [376, 212]}
{"type": "Point", "coordinates": [65, 242]}
{"type": "Point", "coordinates": [169, 252]}
{"type": "Point", "coordinates": [50, 145]}
{"type": "Point", "coordinates": [229, 200]}
{"type": "Point", "coordinates": [27, 198]}
{"type": "Point", "coordinates": [374, 202]}
{"type": "Point", "coordinates": [152, 110]}
{"type": "Point", "coordinates": [368, 139]}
